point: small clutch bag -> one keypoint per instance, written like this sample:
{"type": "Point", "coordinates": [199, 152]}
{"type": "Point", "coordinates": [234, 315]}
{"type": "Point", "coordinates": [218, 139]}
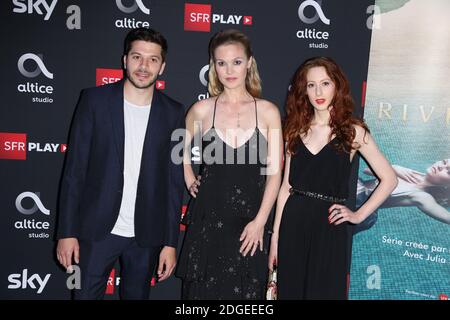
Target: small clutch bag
{"type": "Point", "coordinates": [271, 293]}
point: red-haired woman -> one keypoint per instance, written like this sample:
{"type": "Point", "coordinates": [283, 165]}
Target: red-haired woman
{"type": "Point", "coordinates": [310, 237]}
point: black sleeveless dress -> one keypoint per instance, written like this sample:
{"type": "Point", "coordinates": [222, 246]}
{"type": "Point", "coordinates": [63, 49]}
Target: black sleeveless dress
{"type": "Point", "coordinates": [313, 255]}
{"type": "Point", "coordinates": [229, 197]}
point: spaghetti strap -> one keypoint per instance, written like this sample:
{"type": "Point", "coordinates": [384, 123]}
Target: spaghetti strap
{"type": "Point", "coordinates": [256, 113]}
{"type": "Point", "coordinates": [214, 114]}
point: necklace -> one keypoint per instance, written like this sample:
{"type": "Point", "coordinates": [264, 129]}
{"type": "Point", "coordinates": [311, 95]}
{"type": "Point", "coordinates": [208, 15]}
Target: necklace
{"type": "Point", "coordinates": [238, 117]}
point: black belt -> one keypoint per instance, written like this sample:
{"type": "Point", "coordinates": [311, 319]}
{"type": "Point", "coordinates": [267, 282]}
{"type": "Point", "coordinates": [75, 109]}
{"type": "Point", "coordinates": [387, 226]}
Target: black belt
{"type": "Point", "coordinates": [316, 195]}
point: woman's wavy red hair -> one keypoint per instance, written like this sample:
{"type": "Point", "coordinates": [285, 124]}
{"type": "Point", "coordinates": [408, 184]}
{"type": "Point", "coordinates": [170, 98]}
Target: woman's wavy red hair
{"type": "Point", "coordinates": [300, 112]}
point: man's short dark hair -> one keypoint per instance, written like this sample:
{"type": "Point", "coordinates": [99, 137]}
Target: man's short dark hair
{"type": "Point", "coordinates": [145, 34]}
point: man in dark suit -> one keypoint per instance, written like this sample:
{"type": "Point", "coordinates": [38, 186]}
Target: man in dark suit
{"type": "Point", "coordinates": [121, 193]}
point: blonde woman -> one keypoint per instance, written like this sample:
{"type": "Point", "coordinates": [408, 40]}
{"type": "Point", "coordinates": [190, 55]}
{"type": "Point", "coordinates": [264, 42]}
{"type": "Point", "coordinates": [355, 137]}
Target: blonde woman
{"type": "Point", "coordinates": [224, 255]}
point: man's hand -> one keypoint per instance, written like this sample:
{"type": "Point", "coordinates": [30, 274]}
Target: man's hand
{"type": "Point", "coordinates": [167, 262]}
{"type": "Point", "coordinates": [65, 249]}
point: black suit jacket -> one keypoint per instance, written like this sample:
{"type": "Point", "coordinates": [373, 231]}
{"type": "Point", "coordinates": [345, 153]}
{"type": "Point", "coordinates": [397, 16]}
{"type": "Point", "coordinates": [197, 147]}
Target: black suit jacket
{"type": "Point", "coordinates": [92, 182]}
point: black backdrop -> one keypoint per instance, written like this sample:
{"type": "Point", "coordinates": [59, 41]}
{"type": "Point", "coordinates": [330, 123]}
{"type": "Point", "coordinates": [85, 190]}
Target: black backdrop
{"type": "Point", "coordinates": [58, 46]}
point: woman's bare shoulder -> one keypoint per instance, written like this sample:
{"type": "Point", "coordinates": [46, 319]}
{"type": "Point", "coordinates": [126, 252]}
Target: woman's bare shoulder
{"type": "Point", "coordinates": [201, 108]}
{"type": "Point", "coordinates": [268, 108]}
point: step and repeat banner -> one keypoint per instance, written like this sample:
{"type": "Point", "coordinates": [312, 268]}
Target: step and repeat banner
{"type": "Point", "coordinates": [404, 254]}
{"type": "Point", "coordinates": [54, 48]}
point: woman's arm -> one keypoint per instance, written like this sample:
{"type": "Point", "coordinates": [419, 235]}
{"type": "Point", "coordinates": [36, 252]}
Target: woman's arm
{"type": "Point", "coordinates": [283, 195]}
{"type": "Point", "coordinates": [407, 174]}
{"type": "Point", "coordinates": [193, 127]}
{"type": "Point", "coordinates": [382, 169]}
{"type": "Point", "coordinates": [427, 204]}
{"type": "Point", "coordinates": [252, 236]}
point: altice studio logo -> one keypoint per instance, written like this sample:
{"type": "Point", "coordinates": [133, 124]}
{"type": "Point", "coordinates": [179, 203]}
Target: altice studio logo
{"type": "Point", "coordinates": [316, 4]}
{"type": "Point", "coordinates": [137, 4]}
{"type": "Point", "coordinates": [38, 205]}
{"type": "Point", "coordinates": [40, 66]}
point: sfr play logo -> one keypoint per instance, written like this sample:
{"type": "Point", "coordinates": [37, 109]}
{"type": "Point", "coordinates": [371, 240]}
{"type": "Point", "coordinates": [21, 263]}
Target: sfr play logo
{"type": "Point", "coordinates": [14, 146]}
{"type": "Point", "coordinates": [198, 17]}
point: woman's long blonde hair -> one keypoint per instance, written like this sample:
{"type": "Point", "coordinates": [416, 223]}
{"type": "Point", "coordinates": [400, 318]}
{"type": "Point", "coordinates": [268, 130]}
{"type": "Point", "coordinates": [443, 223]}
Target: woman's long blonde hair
{"type": "Point", "coordinates": [232, 36]}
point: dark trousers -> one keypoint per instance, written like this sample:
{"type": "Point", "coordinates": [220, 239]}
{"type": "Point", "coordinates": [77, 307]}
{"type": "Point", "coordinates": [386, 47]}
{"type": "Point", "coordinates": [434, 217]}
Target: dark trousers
{"type": "Point", "coordinates": [97, 259]}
